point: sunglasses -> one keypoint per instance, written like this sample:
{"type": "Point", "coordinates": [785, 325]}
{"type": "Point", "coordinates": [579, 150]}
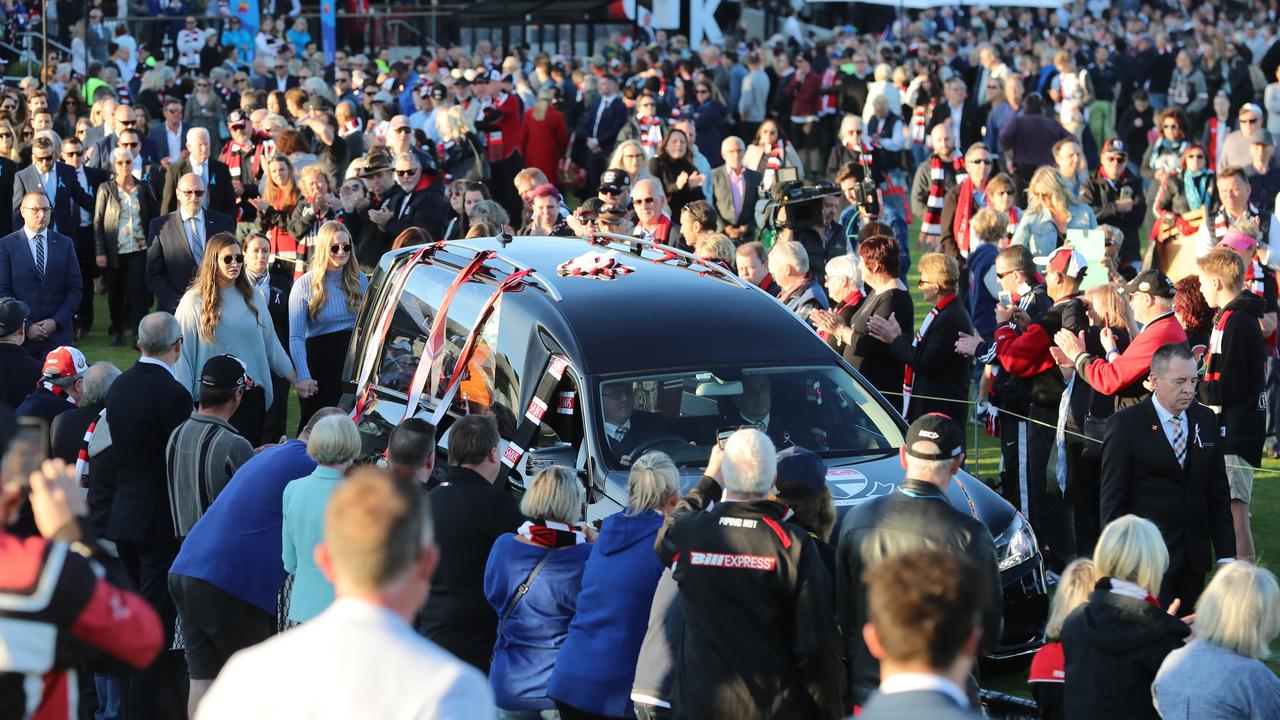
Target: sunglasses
{"type": "Point", "coordinates": [982, 161]}
{"type": "Point", "coordinates": [1006, 273]}
{"type": "Point", "coordinates": [233, 259]}
{"type": "Point", "coordinates": [202, 85]}
{"type": "Point", "coordinates": [43, 158]}
{"type": "Point", "coordinates": [405, 173]}
{"type": "Point", "coordinates": [128, 123]}
{"type": "Point", "coordinates": [192, 193]}
{"type": "Point", "coordinates": [71, 153]}
{"type": "Point", "coordinates": [1248, 121]}
{"type": "Point", "coordinates": [336, 248]}
{"type": "Point", "coordinates": [610, 190]}
{"type": "Point", "coordinates": [645, 201]}
{"type": "Point", "coordinates": [404, 129]}
{"type": "Point", "coordinates": [129, 145]}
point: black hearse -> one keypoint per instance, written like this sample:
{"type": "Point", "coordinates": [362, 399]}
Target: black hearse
{"type": "Point", "coordinates": [591, 352]}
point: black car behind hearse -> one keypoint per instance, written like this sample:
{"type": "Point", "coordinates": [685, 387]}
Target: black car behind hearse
{"type": "Point", "coordinates": [591, 352]}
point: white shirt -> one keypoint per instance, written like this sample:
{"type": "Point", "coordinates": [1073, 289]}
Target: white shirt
{"type": "Point", "coordinates": [354, 660]}
{"type": "Point", "coordinates": [1165, 416]}
{"type": "Point", "coordinates": [86, 217]}
{"type": "Point", "coordinates": [153, 361]}
{"type": "Point", "coordinates": [174, 137]}
{"type": "Point", "coordinates": [915, 682]}
{"type": "Point", "coordinates": [617, 432]}
{"type": "Point", "coordinates": [31, 243]}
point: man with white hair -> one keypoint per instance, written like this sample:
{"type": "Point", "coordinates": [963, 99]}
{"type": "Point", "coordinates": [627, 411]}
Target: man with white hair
{"type": "Point", "coordinates": [916, 516]}
{"type": "Point", "coordinates": [801, 293]}
{"type": "Point", "coordinates": [759, 638]}
{"type": "Point", "coordinates": [220, 196]}
{"type": "Point", "coordinates": [652, 221]}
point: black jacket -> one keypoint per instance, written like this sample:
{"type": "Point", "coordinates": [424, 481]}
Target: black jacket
{"type": "Point", "coordinates": [67, 431]}
{"type": "Point", "coordinates": [871, 357]}
{"type": "Point", "coordinates": [1191, 505]}
{"type": "Point", "coordinates": [940, 371]}
{"type": "Point", "coordinates": [916, 516]}
{"type": "Point", "coordinates": [759, 635]}
{"type": "Point", "coordinates": [426, 208]}
{"type": "Point", "coordinates": [469, 515]}
{"type": "Point", "coordinates": [222, 197]}
{"type": "Point", "coordinates": [1235, 379]}
{"type": "Point", "coordinates": [144, 405]}
{"type": "Point", "coordinates": [170, 264]}
{"type": "Point", "coordinates": [106, 219]}
{"type": "Point", "coordinates": [19, 373]}
{"type": "Point", "coordinates": [1101, 194]}
{"type": "Point", "coordinates": [972, 121]}
{"type": "Point", "coordinates": [1044, 388]}
{"type": "Point", "coordinates": [44, 405]}
{"type": "Point", "coordinates": [1113, 646]}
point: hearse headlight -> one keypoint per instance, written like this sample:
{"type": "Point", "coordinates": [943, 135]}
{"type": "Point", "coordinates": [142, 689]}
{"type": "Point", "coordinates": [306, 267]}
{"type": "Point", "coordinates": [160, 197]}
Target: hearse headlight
{"type": "Point", "coordinates": [1017, 544]}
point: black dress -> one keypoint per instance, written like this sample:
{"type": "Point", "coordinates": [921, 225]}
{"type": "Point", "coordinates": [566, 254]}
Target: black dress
{"type": "Point", "coordinates": [871, 357]}
{"type": "Point", "coordinates": [666, 170]}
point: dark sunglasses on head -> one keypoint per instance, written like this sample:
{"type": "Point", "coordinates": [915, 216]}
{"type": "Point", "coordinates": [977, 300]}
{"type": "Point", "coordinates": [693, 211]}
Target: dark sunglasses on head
{"type": "Point", "coordinates": [232, 259]}
{"type": "Point", "coordinates": [336, 248]}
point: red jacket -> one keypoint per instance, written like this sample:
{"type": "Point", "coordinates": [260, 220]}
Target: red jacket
{"type": "Point", "coordinates": [804, 94]}
{"type": "Point", "coordinates": [65, 614]}
{"type": "Point", "coordinates": [1134, 363]}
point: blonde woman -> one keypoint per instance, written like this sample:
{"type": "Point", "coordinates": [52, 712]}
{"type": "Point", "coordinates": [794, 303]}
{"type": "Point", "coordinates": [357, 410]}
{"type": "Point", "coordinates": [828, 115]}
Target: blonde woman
{"type": "Point", "coordinates": [280, 195]}
{"type": "Point", "coordinates": [1220, 673]}
{"type": "Point", "coordinates": [222, 314]}
{"type": "Point", "coordinates": [1052, 210]}
{"type": "Point", "coordinates": [617, 591]}
{"type": "Point", "coordinates": [1113, 644]}
{"type": "Point", "coordinates": [460, 152]}
{"type": "Point", "coordinates": [322, 313]}
{"type": "Point", "coordinates": [630, 157]}
{"type": "Point", "coordinates": [557, 542]}
{"type": "Point", "coordinates": [1047, 670]}
{"type": "Point", "coordinates": [8, 141]}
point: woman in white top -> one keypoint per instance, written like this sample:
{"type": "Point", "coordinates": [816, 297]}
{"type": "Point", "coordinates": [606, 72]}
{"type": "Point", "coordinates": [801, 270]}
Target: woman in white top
{"type": "Point", "coordinates": [222, 314]}
{"type": "Point", "coordinates": [1271, 103]}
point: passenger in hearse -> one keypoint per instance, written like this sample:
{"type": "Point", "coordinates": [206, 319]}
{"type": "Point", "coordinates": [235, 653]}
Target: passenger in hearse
{"type": "Point", "coordinates": [625, 427]}
{"type": "Point", "coordinates": [755, 407]}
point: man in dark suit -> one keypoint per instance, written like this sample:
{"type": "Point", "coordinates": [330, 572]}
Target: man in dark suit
{"type": "Point", "coordinates": [922, 608]}
{"type": "Point", "coordinates": [625, 427]}
{"type": "Point", "coordinates": [735, 189]}
{"type": "Point", "coordinates": [220, 196]}
{"type": "Point", "coordinates": [38, 266]}
{"type": "Point", "coordinates": [144, 405]}
{"type": "Point", "coordinates": [124, 118]}
{"type": "Point", "coordinates": [599, 128]}
{"type": "Point", "coordinates": [177, 243]}
{"type": "Point", "coordinates": [281, 80]}
{"type": "Point", "coordinates": [169, 137]}
{"type": "Point", "coordinates": [57, 181]}
{"type": "Point", "coordinates": [959, 113]}
{"type": "Point", "coordinates": [1162, 460]}
{"type": "Point", "coordinates": [423, 203]}
{"type": "Point", "coordinates": [88, 179]}
{"type": "Point", "coordinates": [755, 407]}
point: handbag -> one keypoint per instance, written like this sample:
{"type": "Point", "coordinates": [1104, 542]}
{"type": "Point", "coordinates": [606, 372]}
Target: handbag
{"type": "Point", "coordinates": [521, 590]}
{"type": "Point", "coordinates": [1093, 429]}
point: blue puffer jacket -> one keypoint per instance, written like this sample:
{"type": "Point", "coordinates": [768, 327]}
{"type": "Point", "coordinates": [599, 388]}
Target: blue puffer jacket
{"type": "Point", "coordinates": [613, 612]}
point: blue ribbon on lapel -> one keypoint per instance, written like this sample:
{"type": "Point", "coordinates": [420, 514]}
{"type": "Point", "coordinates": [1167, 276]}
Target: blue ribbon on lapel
{"type": "Point", "coordinates": [61, 183]}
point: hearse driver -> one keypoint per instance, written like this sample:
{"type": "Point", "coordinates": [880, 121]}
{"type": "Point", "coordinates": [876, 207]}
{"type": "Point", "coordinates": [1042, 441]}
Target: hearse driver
{"type": "Point", "coordinates": [624, 426]}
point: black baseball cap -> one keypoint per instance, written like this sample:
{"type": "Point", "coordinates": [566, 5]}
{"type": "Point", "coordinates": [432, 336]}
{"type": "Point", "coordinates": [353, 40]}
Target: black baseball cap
{"type": "Point", "coordinates": [225, 372]}
{"type": "Point", "coordinates": [13, 315]}
{"type": "Point", "coordinates": [1151, 282]}
{"type": "Point", "coordinates": [801, 473]}
{"type": "Point", "coordinates": [615, 179]}
{"type": "Point", "coordinates": [939, 430]}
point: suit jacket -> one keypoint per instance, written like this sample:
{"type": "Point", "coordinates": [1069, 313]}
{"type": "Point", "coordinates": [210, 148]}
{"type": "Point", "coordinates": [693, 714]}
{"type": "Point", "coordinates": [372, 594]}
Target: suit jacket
{"type": "Point", "coordinates": [145, 404]}
{"type": "Point", "coordinates": [972, 122]}
{"type": "Point", "coordinates": [68, 198]}
{"type": "Point", "coordinates": [722, 192]}
{"type": "Point", "coordinates": [106, 218]}
{"type": "Point", "coordinates": [58, 295]}
{"type": "Point", "coordinates": [644, 426]}
{"type": "Point", "coordinates": [19, 374]}
{"type": "Point", "coordinates": [8, 175]}
{"type": "Point", "coordinates": [917, 704]}
{"type": "Point", "coordinates": [159, 138]}
{"type": "Point", "coordinates": [611, 122]}
{"type": "Point", "coordinates": [1191, 504]}
{"type": "Point", "coordinates": [170, 264]}
{"type": "Point", "coordinates": [218, 190]}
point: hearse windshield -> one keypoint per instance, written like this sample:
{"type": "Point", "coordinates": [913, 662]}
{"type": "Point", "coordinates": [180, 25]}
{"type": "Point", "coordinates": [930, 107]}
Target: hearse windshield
{"type": "Point", "coordinates": [820, 408]}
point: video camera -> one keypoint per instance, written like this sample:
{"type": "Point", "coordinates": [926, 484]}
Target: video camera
{"type": "Point", "coordinates": [803, 203]}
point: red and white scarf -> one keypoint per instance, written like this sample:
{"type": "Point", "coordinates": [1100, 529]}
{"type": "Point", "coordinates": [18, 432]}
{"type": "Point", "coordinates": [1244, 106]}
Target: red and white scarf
{"type": "Point", "coordinates": [909, 373]}
{"type": "Point", "coordinates": [827, 102]}
{"type": "Point", "coordinates": [773, 161]}
{"type": "Point", "coordinates": [1253, 277]}
{"type": "Point", "coordinates": [82, 457]}
{"type": "Point", "coordinates": [1211, 370]}
{"type": "Point", "coordinates": [938, 192]}
{"type": "Point", "coordinates": [964, 213]}
{"type": "Point", "coordinates": [1215, 134]}
{"type": "Point", "coordinates": [551, 534]}
{"type": "Point", "coordinates": [1014, 216]}
{"type": "Point", "coordinates": [919, 130]}
{"type": "Point", "coordinates": [650, 134]}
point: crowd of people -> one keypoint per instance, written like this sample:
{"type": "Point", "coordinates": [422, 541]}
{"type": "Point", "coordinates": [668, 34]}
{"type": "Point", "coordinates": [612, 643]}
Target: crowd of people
{"type": "Point", "coordinates": [232, 196]}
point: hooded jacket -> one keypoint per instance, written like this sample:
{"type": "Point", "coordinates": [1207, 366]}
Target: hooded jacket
{"type": "Point", "coordinates": [1234, 382]}
{"type": "Point", "coordinates": [1114, 645]}
{"type": "Point", "coordinates": [613, 611]}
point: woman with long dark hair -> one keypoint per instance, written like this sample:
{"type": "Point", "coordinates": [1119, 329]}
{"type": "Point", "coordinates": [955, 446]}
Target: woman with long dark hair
{"type": "Point", "coordinates": [322, 313]}
{"type": "Point", "coordinates": [673, 167]}
{"type": "Point", "coordinates": [222, 314]}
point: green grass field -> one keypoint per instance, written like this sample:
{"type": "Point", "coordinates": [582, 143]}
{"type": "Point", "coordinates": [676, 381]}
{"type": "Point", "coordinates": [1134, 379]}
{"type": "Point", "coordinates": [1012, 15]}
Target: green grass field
{"type": "Point", "coordinates": [1009, 676]}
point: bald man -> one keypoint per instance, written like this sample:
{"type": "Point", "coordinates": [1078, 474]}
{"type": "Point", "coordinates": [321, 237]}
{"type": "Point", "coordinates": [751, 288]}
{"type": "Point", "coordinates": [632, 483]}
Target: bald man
{"type": "Point", "coordinates": [177, 242]}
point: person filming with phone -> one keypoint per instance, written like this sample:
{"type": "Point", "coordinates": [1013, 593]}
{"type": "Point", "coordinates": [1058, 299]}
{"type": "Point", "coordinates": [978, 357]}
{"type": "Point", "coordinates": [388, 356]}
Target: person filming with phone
{"type": "Point", "coordinates": [73, 603]}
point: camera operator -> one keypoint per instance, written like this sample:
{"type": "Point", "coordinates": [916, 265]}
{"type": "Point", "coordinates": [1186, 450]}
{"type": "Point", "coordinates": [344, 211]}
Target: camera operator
{"type": "Point", "coordinates": [797, 218]}
{"type": "Point", "coordinates": [865, 207]}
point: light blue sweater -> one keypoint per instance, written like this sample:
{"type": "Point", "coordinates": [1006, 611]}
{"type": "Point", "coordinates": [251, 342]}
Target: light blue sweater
{"type": "Point", "coordinates": [303, 528]}
{"type": "Point", "coordinates": [334, 316]}
{"type": "Point", "coordinates": [238, 333]}
{"type": "Point", "coordinates": [1202, 680]}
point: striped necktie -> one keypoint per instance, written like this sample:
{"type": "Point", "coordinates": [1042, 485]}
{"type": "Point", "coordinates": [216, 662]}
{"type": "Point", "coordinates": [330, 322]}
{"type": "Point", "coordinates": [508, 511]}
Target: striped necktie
{"type": "Point", "coordinates": [40, 257]}
{"type": "Point", "coordinates": [1179, 441]}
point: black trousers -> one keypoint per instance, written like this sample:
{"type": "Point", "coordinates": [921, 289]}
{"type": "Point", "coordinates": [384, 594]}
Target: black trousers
{"type": "Point", "coordinates": [325, 357]}
{"type": "Point", "coordinates": [569, 712]}
{"type": "Point", "coordinates": [160, 689]}
{"type": "Point", "coordinates": [87, 261]}
{"type": "Point", "coordinates": [1050, 514]}
{"type": "Point", "coordinates": [1014, 461]}
{"type": "Point", "coordinates": [1184, 584]}
{"type": "Point", "coordinates": [251, 416]}
{"type": "Point", "coordinates": [278, 413]}
{"type": "Point", "coordinates": [1084, 473]}
{"type": "Point", "coordinates": [127, 296]}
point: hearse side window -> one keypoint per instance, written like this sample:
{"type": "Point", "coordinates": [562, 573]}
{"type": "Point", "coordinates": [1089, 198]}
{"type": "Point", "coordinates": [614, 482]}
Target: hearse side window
{"type": "Point", "coordinates": [405, 341]}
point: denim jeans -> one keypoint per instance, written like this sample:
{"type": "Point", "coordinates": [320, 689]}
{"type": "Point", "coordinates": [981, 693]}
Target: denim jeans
{"type": "Point", "coordinates": [110, 689]}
